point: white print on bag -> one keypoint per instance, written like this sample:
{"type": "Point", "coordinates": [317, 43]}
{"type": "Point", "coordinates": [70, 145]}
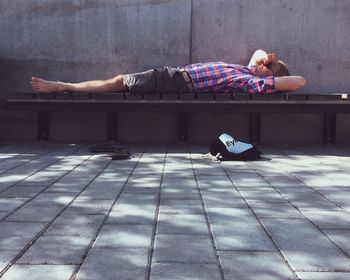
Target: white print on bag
{"type": "Point", "coordinates": [234, 146]}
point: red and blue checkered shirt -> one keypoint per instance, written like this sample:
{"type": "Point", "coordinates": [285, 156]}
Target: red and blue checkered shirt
{"type": "Point", "coordinates": [220, 77]}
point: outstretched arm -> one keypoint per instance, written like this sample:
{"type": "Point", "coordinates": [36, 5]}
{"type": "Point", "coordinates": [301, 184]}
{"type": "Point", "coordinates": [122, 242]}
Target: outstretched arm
{"type": "Point", "coordinates": [289, 83]}
{"type": "Point", "coordinates": [261, 57]}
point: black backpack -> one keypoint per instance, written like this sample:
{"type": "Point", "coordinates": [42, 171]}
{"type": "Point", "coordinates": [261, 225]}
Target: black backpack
{"type": "Point", "coordinates": [225, 148]}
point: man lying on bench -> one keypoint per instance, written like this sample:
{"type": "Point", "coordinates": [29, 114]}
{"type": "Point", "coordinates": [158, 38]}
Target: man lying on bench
{"type": "Point", "coordinates": [264, 74]}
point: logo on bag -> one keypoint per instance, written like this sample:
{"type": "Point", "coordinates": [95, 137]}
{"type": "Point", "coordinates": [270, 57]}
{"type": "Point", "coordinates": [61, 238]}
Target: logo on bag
{"type": "Point", "coordinates": [231, 142]}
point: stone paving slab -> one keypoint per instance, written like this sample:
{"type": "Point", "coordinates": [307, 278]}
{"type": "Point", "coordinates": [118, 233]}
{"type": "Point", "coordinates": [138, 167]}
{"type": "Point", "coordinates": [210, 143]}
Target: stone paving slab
{"type": "Point", "coordinates": [183, 248]}
{"type": "Point", "coordinates": [75, 225]}
{"type": "Point", "coordinates": [179, 193]}
{"type": "Point", "coordinates": [132, 214]}
{"type": "Point", "coordinates": [276, 210]}
{"type": "Point", "coordinates": [180, 183]}
{"type": "Point", "coordinates": [9, 204]}
{"type": "Point", "coordinates": [341, 238]}
{"type": "Point", "coordinates": [56, 250]}
{"type": "Point", "coordinates": [262, 196]}
{"type": "Point", "coordinates": [182, 224]}
{"type": "Point", "coordinates": [32, 213]}
{"type": "Point", "coordinates": [52, 199]}
{"type": "Point", "coordinates": [254, 265]}
{"type": "Point", "coordinates": [305, 247]}
{"type": "Point", "coordinates": [89, 206]}
{"type": "Point", "coordinates": [167, 213]}
{"type": "Point", "coordinates": [39, 272]}
{"type": "Point", "coordinates": [223, 201]}
{"type": "Point", "coordinates": [244, 233]}
{"type": "Point", "coordinates": [3, 215]}
{"type": "Point", "coordinates": [43, 178]}
{"type": "Point", "coordinates": [5, 257]}
{"type": "Point", "coordinates": [14, 242]}
{"type": "Point", "coordinates": [329, 219]}
{"type": "Point", "coordinates": [175, 271]}
{"type": "Point", "coordinates": [124, 236]}
{"type": "Point", "coordinates": [21, 192]}
{"type": "Point", "coordinates": [314, 203]}
{"type": "Point", "coordinates": [19, 229]}
{"type": "Point", "coordinates": [323, 275]}
{"type": "Point", "coordinates": [102, 190]}
{"type": "Point", "coordinates": [121, 264]}
{"type": "Point", "coordinates": [180, 206]}
{"type": "Point", "coordinates": [340, 196]}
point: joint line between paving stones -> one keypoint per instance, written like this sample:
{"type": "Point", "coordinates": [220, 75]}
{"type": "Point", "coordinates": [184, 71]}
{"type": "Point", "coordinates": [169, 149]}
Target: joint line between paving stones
{"type": "Point", "coordinates": [268, 234]}
{"type": "Point", "coordinates": [34, 158]}
{"type": "Point", "coordinates": [296, 178]}
{"type": "Point", "coordinates": [207, 221]}
{"type": "Point", "coordinates": [305, 217]}
{"type": "Point", "coordinates": [30, 243]}
{"type": "Point", "coordinates": [33, 173]}
{"type": "Point", "coordinates": [17, 153]}
{"type": "Point", "coordinates": [303, 183]}
{"type": "Point", "coordinates": [151, 251]}
{"type": "Point", "coordinates": [45, 188]}
{"type": "Point", "coordinates": [76, 270]}
{"type": "Point", "coordinates": [7, 148]}
{"type": "Point", "coordinates": [42, 149]}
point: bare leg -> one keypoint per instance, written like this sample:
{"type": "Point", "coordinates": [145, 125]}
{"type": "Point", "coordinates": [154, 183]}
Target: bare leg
{"type": "Point", "coordinates": [99, 86]}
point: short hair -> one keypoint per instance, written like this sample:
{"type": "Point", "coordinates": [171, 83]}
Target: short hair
{"type": "Point", "coordinates": [283, 69]}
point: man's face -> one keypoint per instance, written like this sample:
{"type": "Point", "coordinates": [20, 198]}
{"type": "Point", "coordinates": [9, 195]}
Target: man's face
{"type": "Point", "coordinates": [270, 69]}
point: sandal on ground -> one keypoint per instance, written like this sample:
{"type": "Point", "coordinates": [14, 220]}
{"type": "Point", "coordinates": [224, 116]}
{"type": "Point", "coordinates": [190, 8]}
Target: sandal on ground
{"type": "Point", "coordinates": [114, 153]}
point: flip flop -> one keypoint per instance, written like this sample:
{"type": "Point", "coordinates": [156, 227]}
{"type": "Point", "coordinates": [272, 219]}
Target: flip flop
{"type": "Point", "coordinates": [114, 153]}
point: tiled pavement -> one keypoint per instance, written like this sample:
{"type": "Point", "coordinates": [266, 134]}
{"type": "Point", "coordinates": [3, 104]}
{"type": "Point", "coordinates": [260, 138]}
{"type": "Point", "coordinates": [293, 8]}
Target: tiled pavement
{"type": "Point", "coordinates": [169, 214]}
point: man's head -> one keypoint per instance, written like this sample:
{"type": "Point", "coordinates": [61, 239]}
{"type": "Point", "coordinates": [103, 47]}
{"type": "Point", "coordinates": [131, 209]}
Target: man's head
{"type": "Point", "coordinates": [276, 69]}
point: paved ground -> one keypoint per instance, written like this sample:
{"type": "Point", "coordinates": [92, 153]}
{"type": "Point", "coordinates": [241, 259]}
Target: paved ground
{"type": "Point", "coordinates": [169, 214]}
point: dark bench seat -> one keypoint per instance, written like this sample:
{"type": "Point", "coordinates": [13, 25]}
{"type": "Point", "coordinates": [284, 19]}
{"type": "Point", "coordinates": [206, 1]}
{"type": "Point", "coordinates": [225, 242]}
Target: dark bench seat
{"type": "Point", "coordinates": [184, 104]}
{"type": "Point", "coordinates": [209, 103]}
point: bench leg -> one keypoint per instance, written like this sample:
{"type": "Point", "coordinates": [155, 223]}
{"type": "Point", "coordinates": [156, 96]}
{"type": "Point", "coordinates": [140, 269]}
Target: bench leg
{"type": "Point", "coordinates": [183, 127]}
{"type": "Point", "coordinates": [330, 121]}
{"type": "Point", "coordinates": [254, 127]}
{"type": "Point", "coordinates": [43, 125]}
{"type": "Point", "coordinates": [113, 125]}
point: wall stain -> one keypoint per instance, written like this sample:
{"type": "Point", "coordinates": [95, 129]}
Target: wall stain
{"type": "Point", "coordinates": [69, 8]}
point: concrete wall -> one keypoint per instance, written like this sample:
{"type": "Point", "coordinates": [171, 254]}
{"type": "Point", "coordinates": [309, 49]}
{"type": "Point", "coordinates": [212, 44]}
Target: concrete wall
{"type": "Point", "coordinates": [76, 40]}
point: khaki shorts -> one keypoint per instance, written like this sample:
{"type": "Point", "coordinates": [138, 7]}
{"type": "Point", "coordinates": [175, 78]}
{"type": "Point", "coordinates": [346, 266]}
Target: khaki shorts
{"type": "Point", "coordinates": [159, 80]}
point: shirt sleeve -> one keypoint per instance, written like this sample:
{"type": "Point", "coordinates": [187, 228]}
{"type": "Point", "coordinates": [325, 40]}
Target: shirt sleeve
{"type": "Point", "coordinates": [261, 85]}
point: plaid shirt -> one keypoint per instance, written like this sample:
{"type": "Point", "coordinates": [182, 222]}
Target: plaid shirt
{"type": "Point", "coordinates": [220, 77]}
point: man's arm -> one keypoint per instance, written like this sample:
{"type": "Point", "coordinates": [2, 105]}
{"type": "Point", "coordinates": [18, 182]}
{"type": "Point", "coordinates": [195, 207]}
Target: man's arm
{"type": "Point", "coordinates": [261, 57]}
{"type": "Point", "coordinates": [289, 83]}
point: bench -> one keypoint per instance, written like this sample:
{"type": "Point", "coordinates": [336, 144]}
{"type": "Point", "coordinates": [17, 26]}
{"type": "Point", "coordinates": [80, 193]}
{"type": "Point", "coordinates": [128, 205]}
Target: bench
{"type": "Point", "coordinates": [182, 104]}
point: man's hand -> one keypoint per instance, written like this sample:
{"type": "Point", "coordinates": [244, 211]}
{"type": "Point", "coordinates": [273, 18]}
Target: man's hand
{"type": "Point", "coordinates": [261, 57]}
{"type": "Point", "coordinates": [269, 58]}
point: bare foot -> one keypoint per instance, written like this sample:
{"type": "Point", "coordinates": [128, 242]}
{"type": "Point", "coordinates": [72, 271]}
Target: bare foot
{"type": "Point", "coordinates": [43, 86]}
